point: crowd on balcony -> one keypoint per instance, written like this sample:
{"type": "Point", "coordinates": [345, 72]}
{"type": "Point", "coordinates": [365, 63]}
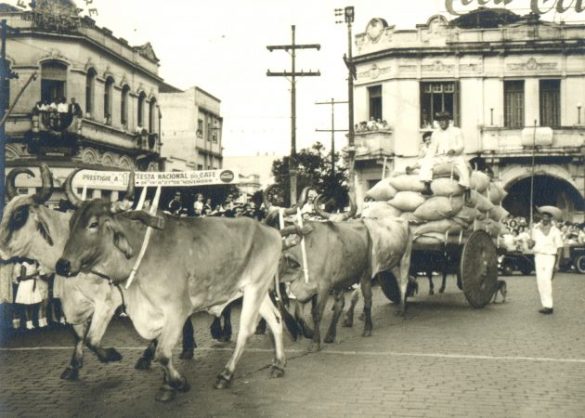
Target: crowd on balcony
{"type": "Point", "coordinates": [371, 125]}
{"type": "Point", "coordinates": [57, 114]}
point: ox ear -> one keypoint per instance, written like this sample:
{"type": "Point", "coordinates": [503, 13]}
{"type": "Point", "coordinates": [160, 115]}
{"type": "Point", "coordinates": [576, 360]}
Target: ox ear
{"type": "Point", "coordinates": [43, 229]}
{"type": "Point", "coordinates": [121, 242]}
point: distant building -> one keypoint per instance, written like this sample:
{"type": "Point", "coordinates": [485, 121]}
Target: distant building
{"type": "Point", "coordinates": [192, 129]}
{"type": "Point", "coordinates": [256, 170]}
{"type": "Point", "coordinates": [497, 73]}
{"type": "Point", "coordinates": [115, 123]}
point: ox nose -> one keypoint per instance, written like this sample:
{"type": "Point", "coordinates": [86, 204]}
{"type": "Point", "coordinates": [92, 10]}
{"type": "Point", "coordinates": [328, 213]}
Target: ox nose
{"type": "Point", "coordinates": [63, 267]}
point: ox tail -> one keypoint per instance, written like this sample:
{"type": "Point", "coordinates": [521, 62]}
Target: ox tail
{"type": "Point", "coordinates": [292, 326]}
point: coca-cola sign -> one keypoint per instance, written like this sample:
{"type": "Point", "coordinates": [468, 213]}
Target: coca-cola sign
{"type": "Point", "coordinates": [459, 7]}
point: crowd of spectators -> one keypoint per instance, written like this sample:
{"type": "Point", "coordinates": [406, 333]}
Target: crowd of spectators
{"type": "Point", "coordinates": [203, 206]}
{"type": "Point", "coordinates": [517, 232]}
{"type": "Point", "coordinates": [371, 125]}
{"type": "Point", "coordinates": [29, 296]}
{"type": "Point", "coordinates": [57, 114]}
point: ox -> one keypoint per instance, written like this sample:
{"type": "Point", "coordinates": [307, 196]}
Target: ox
{"type": "Point", "coordinates": [190, 265]}
{"type": "Point", "coordinates": [341, 253]}
{"type": "Point", "coordinates": [30, 229]}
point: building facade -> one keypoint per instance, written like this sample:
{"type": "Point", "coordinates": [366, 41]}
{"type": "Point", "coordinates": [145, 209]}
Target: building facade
{"type": "Point", "coordinates": [191, 130]}
{"type": "Point", "coordinates": [93, 103]}
{"type": "Point", "coordinates": [515, 85]}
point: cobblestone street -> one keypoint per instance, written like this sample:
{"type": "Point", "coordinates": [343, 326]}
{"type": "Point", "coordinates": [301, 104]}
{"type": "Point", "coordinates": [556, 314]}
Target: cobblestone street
{"type": "Point", "coordinates": [445, 359]}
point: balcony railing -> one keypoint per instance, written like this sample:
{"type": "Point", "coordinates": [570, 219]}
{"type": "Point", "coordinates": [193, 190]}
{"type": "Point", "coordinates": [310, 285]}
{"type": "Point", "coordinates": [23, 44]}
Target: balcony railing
{"type": "Point", "coordinates": [517, 141]}
{"type": "Point", "coordinates": [374, 144]}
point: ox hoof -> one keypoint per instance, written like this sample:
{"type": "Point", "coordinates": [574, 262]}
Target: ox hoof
{"type": "Point", "coordinates": [367, 333]}
{"type": "Point", "coordinates": [276, 372]}
{"type": "Point", "coordinates": [347, 323]}
{"type": "Point", "coordinates": [222, 383]}
{"type": "Point", "coordinates": [111, 355]}
{"type": "Point", "coordinates": [186, 355]}
{"type": "Point", "coordinates": [142, 364]}
{"type": "Point", "coordinates": [431, 292]}
{"type": "Point", "coordinates": [166, 394]}
{"type": "Point", "coordinates": [182, 385]}
{"type": "Point", "coordinates": [329, 339]}
{"type": "Point", "coordinates": [70, 374]}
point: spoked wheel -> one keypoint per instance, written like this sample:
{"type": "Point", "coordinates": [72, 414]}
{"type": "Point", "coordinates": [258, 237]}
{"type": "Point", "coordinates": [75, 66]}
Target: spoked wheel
{"type": "Point", "coordinates": [479, 269]}
{"type": "Point", "coordinates": [580, 264]}
{"type": "Point", "coordinates": [389, 286]}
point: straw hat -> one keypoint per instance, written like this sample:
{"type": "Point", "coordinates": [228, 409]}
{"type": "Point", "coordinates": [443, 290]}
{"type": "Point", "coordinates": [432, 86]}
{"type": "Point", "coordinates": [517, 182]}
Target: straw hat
{"type": "Point", "coordinates": [443, 116]}
{"type": "Point", "coordinates": [553, 211]}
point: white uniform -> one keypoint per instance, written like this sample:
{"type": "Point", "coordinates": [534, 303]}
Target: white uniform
{"type": "Point", "coordinates": [545, 250]}
{"type": "Point", "coordinates": [442, 142]}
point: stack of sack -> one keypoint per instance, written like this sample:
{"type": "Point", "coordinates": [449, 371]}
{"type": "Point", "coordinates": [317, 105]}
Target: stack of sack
{"type": "Point", "coordinates": [445, 215]}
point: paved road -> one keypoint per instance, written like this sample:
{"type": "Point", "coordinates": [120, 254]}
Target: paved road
{"type": "Point", "coordinates": [445, 360]}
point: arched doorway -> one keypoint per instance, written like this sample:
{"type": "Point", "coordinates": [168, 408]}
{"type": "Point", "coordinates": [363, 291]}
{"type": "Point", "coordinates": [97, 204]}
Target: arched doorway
{"type": "Point", "coordinates": [548, 190]}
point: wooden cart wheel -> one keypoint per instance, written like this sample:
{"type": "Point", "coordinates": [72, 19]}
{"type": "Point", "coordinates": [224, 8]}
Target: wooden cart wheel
{"type": "Point", "coordinates": [479, 269]}
{"type": "Point", "coordinates": [389, 286]}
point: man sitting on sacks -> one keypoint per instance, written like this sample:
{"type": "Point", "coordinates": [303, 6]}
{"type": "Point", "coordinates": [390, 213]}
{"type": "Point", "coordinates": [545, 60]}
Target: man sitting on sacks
{"type": "Point", "coordinates": [446, 147]}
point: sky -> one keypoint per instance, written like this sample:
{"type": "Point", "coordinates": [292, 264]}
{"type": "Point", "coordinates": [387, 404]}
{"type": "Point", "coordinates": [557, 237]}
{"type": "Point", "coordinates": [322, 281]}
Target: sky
{"type": "Point", "coordinates": [220, 46]}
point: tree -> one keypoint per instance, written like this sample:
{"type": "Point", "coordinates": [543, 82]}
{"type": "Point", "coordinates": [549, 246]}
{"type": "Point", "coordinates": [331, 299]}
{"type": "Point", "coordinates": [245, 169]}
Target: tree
{"type": "Point", "coordinates": [314, 170]}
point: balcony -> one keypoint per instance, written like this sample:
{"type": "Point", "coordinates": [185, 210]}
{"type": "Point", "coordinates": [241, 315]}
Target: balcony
{"type": "Point", "coordinates": [374, 144]}
{"type": "Point", "coordinates": [519, 142]}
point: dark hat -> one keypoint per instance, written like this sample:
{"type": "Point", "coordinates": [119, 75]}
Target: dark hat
{"type": "Point", "coordinates": [442, 116]}
{"type": "Point", "coordinates": [553, 211]}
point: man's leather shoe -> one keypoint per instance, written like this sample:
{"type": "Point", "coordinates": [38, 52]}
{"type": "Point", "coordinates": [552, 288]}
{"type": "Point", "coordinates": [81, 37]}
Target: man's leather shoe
{"type": "Point", "coordinates": [546, 311]}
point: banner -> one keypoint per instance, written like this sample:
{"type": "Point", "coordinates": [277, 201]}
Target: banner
{"type": "Point", "coordinates": [118, 180]}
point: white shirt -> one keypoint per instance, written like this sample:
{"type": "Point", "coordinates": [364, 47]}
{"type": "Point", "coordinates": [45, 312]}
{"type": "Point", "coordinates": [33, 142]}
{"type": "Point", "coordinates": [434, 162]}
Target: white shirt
{"type": "Point", "coordinates": [546, 244]}
{"type": "Point", "coordinates": [443, 141]}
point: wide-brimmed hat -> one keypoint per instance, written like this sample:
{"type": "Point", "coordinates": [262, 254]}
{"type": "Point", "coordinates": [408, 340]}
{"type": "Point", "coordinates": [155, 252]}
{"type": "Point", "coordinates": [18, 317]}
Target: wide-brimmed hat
{"type": "Point", "coordinates": [553, 211]}
{"type": "Point", "coordinates": [442, 116]}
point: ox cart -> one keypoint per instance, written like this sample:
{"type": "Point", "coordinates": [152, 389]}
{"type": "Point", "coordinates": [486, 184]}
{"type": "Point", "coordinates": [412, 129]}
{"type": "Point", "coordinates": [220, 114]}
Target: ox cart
{"type": "Point", "coordinates": [473, 259]}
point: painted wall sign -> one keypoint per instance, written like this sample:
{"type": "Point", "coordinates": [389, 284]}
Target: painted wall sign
{"type": "Point", "coordinates": [459, 7]}
{"type": "Point", "coordinates": [118, 180]}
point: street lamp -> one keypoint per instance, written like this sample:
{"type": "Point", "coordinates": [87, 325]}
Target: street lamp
{"type": "Point", "coordinates": [348, 14]}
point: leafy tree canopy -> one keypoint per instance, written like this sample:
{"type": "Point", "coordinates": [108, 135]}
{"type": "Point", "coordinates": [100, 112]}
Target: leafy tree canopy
{"type": "Point", "coordinates": [314, 169]}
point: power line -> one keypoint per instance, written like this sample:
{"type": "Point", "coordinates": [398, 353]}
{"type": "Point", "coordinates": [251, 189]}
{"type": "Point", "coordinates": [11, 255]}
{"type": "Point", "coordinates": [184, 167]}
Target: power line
{"type": "Point", "coordinates": [292, 47]}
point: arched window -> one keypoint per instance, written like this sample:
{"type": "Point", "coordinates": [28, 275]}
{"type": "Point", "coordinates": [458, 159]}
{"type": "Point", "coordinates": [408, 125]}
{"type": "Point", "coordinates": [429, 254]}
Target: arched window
{"type": "Point", "coordinates": [53, 81]}
{"type": "Point", "coordinates": [89, 91]}
{"type": "Point", "coordinates": [152, 115]}
{"type": "Point", "coordinates": [108, 94]}
{"type": "Point", "coordinates": [124, 105]}
{"type": "Point", "coordinates": [140, 118]}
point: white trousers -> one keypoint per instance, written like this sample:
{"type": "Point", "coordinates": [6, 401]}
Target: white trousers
{"type": "Point", "coordinates": [460, 166]}
{"type": "Point", "coordinates": [544, 265]}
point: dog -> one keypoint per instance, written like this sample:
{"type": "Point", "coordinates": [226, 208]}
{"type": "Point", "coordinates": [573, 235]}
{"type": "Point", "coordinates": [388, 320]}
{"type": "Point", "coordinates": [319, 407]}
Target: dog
{"type": "Point", "coordinates": [501, 288]}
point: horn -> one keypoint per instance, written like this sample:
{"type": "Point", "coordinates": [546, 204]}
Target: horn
{"type": "Point", "coordinates": [353, 208]}
{"type": "Point", "coordinates": [131, 188]}
{"type": "Point", "coordinates": [317, 208]}
{"type": "Point", "coordinates": [71, 196]}
{"type": "Point", "coordinates": [11, 177]}
{"type": "Point", "coordinates": [303, 197]}
{"type": "Point", "coordinates": [47, 185]}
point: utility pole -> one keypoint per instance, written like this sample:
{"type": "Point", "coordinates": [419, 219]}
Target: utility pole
{"type": "Point", "coordinates": [348, 14]}
{"type": "Point", "coordinates": [5, 76]}
{"type": "Point", "coordinates": [293, 104]}
{"type": "Point", "coordinates": [332, 102]}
